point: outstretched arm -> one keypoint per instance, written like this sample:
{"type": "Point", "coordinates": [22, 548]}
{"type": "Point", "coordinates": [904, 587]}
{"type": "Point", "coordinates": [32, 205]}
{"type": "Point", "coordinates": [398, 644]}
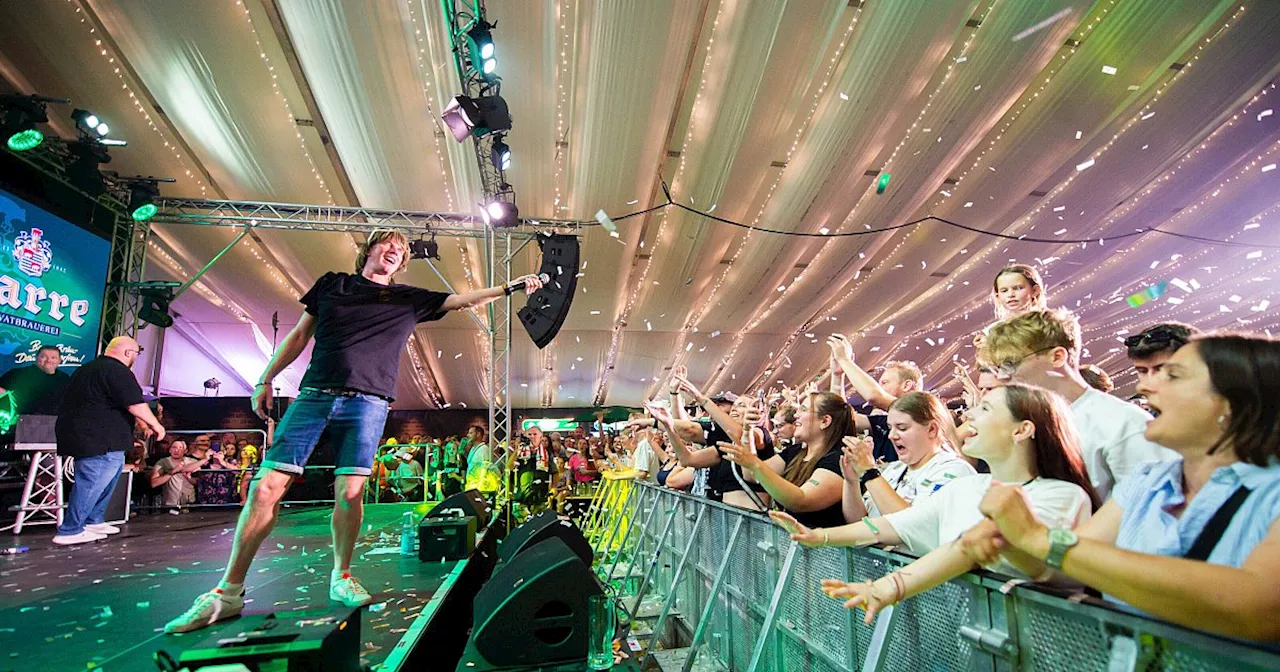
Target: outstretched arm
{"type": "Point", "coordinates": [480, 297]}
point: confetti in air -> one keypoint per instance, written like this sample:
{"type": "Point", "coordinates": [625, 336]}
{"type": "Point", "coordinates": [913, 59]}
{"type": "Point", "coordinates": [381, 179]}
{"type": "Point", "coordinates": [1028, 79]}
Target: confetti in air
{"type": "Point", "coordinates": [1033, 29]}
{"type": "Point", "coordinates": [1108, 70]}
{"type": "Point", "coordinates": [1149, 294]}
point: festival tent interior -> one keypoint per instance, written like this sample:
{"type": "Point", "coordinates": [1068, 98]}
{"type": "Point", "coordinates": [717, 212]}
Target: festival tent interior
{"type": "Point", "coordinates": [848, 166]}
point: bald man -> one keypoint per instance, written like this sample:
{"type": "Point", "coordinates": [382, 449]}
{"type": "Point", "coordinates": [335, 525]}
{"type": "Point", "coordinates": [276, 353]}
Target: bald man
{"type": "Point", "coordinates": [95, 426]}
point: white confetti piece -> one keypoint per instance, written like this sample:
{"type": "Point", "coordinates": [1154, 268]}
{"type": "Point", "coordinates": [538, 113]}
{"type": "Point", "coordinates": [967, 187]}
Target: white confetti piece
{"type": "Point", "coordinates": [604, 220]}
{"type": "Point", "coordinates": [1269, 167]}
{"type": "Point", "coordinates": [1235, 298]}
{"type": "Point", "coordinates": [844, 96]}
{"type": "Point", "coordinates": [968, 204]}
{"type": "Point", "coordinates": [1180, 284]}
{"type": "Point", "coordinates": [1148, 116]}
{"type": "Point", "coordinates": [1174, 300]}
{"type": "Point", "coordinates": [1262, 305]}
{"type": "Point", "coordinates": [875, 348]}
{"type": "Point", "coordinates": [1084, 166]}
{"type": "Point", "coordinates": [1108, 70]}
{"type": "Point", "coordinates": [824, 230]}
{"type": "Point", "coordinates": [1079, 134]}
{"type": "Point", "coordinates": [1223, 309]}
{"type": "Point", "coordinates": [458, 356]}
{"type": "Point", "coordinates": [1060, 208]}
{"type": "Point", "coordinates": [1059, 232]}
{"type": "Point", "coordinates": [1155, 263]}
{"type": "Point", "coordinates": [1264, 114]}
{"type": "Point", "coordinates": [595, 312]}
{"type": "Point", "coordinates": [1254, 254]}
{"type": "Point", "coordinates": [1041, 25]}
{"type": "Point", "coordinates": [1195, 283]}
{"type": "Point", "coordinates": [890, 331]}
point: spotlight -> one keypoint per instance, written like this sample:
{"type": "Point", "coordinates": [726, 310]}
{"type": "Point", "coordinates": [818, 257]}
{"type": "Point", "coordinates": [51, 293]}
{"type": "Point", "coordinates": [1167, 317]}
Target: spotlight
{"type": "Point", "coordinates": [155, 305]}
{"type": "Point", "coordinates": [501, 154]}
{"type": "Point", "coordinates": [21, 114]}
{"type": "Point", "coordinates": [83, 172]}
{"type": "Point", "coordinates": [476, 116]}
{"type": "Point", "coordinates": [142, 197]}
{"type": "Point", "coordinates": [424, 249]}
{"type": "Point", "coordinates": [89, 124]}
{"type": "Point", "coordinates": [501, 213]}
{"type": "Point", "coordinates": [480, 39]}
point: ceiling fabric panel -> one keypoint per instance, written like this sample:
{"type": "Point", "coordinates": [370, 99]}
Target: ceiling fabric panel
{"type": "Point", "coordinates": [1053, 120]}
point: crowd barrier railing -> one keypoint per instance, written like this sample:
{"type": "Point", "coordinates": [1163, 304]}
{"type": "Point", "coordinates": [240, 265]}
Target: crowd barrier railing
{"type": "Point", "coordinates": [715, 587]}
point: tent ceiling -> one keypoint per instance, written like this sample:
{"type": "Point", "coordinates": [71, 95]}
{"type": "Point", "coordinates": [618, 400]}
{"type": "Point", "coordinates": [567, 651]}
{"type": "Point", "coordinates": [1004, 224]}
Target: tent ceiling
{"type": "Point", "coordinates": [777, 114]}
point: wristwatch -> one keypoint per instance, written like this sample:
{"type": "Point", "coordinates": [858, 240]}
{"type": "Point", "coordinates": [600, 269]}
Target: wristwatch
{"type": "Point", "coordinates": [1061, 540]}
{"type": "Point", "coordinates": [869, 475]}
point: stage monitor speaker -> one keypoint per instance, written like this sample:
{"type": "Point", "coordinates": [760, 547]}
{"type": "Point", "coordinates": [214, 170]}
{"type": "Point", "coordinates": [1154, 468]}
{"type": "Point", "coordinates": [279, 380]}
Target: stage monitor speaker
{"type": "Point", "coordinates": [534, 609]}
{"type": "Point", "coordinates": [317, 640]}
{"type": "Point", "coordinates": [545, 525]}
{"type": "Point", "coordinates": [441, 539]}
{"type": "Point", "coordinates": [547, 308]}
{"type": "Point", "coordinates": [470, 503]}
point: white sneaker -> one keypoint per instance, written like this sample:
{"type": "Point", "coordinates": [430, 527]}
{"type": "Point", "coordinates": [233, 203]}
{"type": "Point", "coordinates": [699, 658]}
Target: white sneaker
{"type": "Point", "coordinates": [208, 609]}
{"type": "Point", "coordinates": [347, 590]}
{"type": "Point", "coordinates": [102, 528]}
{"type": "Point", "coordinates": [83, 538]}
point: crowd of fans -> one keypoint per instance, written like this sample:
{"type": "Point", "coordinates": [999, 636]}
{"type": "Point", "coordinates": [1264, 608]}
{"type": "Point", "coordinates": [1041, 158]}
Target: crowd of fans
{"type": "Point", "coordinates": [1166, 502]}
{"type": "Point", "coordinates": [209, 469]}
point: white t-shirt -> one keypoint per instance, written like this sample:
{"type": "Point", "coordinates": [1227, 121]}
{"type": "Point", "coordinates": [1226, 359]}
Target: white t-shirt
{"type": "Point", "coordinates": [943, 517]}
{"type": "Point", "coordinates": [646, 460]}
{"type": "Point", "coordinates": [918, 484]}
{"type": "Point", "coordinates": [1111, 440]}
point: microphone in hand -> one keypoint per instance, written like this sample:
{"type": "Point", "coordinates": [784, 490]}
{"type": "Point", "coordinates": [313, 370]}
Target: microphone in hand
{"type": "Point", "coordinates": [514, 287]}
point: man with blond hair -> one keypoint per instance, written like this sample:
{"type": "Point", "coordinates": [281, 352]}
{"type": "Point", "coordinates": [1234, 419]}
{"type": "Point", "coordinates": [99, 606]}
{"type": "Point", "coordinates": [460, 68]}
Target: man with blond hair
{"type": "Point", "coordinates": [898, 378]}
{"type": "Point", "coordinates": [360, 322]}
{"type": "Point", "coordinates": [1042, 348]}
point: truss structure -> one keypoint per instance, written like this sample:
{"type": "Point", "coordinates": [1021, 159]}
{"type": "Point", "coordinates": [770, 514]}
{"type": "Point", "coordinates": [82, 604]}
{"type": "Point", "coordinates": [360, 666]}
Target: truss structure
{"type": "Point", "coordinates": [501, 245]}
{"type": "Point", "coordinates": [120, 304]}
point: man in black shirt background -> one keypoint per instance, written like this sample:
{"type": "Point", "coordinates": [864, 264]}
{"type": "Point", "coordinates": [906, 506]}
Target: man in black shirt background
{"type": "Point", "coordinates": [95, 426]}
{"type": "Point", "coordinates": [360, 322]}
{"type": "Point", "coordinates": [37, 389]}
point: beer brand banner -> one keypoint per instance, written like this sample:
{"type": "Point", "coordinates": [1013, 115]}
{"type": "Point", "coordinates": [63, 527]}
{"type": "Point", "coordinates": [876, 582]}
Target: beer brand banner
{"type": "Point", "coordinates": [53, 275]}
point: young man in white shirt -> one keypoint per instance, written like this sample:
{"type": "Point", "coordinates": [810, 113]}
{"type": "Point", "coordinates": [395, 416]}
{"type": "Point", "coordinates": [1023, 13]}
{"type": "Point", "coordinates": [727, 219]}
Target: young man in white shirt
{"type": "Point", "coordinates": [1042, 348]}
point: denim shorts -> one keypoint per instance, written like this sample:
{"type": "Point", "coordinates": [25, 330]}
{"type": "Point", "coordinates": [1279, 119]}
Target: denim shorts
{"type": "Point", "coordinates": [354, 422]}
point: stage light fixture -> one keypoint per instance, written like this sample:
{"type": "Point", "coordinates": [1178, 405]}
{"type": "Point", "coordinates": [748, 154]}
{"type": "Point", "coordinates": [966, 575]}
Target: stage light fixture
{"type": "Point", "coordinates": [501, 154]}
{"type": "Point", "coordinates": [424, 249]}
{"type": "Point", "coordinates": [481, 40]}
{"type": "Point", "coordinates": [155, 306]}
{"type": "Point", "coordinates": [90, 124]}
{"type": "Point", "coordinates": [476, 116]}
{"type": "Point", "coordinates": [501, 213]}
{"type": "Point", "coordinates": [21, 114]}
{"type": "Point", "coordinates": [83, 172]}
{"type": "Point", "coordinates": [142, 197]}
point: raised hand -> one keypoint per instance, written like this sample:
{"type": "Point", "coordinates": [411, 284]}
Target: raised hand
{"type": "Point", "coordinates": [740, 455]}
{"type": "Point", "coordinates": [660, 414]}
{"type": "Point", "coordinates": [972, 395]}
{"type": "Point", "coordinates": [841, 347]}
{"type": "Point", "coordinates": [688, 386]}
{"type": "Point", "coordinates": [860, 452]}
{"type": "Point", "coordinates": [799, 533]}
{"type": "Point", "coordinates": [865, 594]}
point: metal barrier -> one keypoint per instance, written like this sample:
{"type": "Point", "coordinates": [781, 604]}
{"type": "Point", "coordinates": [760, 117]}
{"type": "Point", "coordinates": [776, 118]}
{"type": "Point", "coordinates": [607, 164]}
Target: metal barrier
{"type": "Point", "coordinates": [727, 589]}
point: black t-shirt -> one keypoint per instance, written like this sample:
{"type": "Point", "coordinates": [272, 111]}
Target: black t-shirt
{"type": "Point", "coordinates": [883, 449]}
{"type": "Point", "coordinates": [35, 391]}
{"type": "Point", "coordinates": [832, 516]}
{"type": "Point", "coordinates": [723, 479]}
{"type": "Point", "coordinates": [361, 328]}
{"type": "Point", "coordinates": [94, 418]}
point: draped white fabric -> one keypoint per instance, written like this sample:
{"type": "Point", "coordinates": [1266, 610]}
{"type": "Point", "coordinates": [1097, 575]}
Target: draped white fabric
{"type": "Point", "coordinates": [775, 114]}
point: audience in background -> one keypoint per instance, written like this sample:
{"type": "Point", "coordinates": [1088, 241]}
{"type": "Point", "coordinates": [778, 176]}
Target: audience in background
{"type": "Point", "coordinates": [924, 440]}
{"type": "Point", "coordinates": [1192, 539]}
{"type": "Point", "coordinates": [1025, 435]}
{"type": "Point", "coordinates": [1042, 347]}
{"type": "Point", "coordinates": [1150, 348]}
{"type": "Point", "coordinates": [897, 379]}
{"type": "Point", "coordinates": [175, 474]}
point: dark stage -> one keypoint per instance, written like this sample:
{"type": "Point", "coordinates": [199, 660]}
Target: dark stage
{"type": "Point", "coordinates": [103, 605]}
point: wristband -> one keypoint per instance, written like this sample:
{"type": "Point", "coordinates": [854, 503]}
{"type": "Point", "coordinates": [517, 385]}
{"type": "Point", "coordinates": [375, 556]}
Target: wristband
{"type": "Point", "coordinates": [260, 385]}
{"type": "Point", "coordinates": [869, 475]}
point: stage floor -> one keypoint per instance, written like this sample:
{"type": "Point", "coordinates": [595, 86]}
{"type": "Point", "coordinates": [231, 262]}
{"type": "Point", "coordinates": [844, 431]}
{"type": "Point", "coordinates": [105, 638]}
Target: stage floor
{"type": "Point", "coordinates": [103, 605]}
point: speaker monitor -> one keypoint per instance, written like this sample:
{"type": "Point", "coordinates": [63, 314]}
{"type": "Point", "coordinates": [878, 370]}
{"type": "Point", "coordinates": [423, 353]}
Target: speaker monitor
{"type": "Point", "coordinates": [470, 503]}
{"type": "Point", "coordinates": [547, 308]}
{"type": "Point", "coordinates": [545, 525]}
{"type": "Point", "coordinates": [319, 640]}
{"type": "Point", "coordinates": [534, 609]}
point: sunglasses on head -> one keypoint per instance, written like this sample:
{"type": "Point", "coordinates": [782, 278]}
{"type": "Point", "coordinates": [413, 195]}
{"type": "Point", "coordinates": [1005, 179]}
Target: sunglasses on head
{"type": "Point", "coordinates": [1157, 335]}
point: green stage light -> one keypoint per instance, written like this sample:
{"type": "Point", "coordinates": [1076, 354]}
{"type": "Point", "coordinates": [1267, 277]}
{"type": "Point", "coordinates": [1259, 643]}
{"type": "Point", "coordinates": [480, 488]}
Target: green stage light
{"type": "Point", "coordinates": [144, 212]}
{"type": "Point", "coordinates": [25, 139]}
{"type": "Point", "coordinates": [142, 201]}
{"type": "Point", "coordinates": [883, 182]}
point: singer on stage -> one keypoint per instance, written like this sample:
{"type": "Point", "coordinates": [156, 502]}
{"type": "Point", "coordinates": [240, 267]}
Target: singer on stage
{"type": "Point", "coordinates": [360, 323]}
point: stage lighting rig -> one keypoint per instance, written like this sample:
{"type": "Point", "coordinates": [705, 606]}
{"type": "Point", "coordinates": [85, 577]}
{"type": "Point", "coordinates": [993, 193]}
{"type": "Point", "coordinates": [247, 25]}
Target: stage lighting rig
{"type": "Point", "coordinates": [88, 124]}
{"type": "Point", "coordinates": [481, 116]}
{"type": "Point", "coordinates": [424, 249]}
{"type": "Point", "coordinates": [83, 172]}
{"type": "Point", "coordinates": [143, 192]}
{"type": "Point", "coordinates": [156, 297]}
{"type": "Point", "coordinates": [19, 119]}
{"type": "Point", "coordinates": [501, 153]}
{"type": "Point", "coordinates": [501, 210]}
